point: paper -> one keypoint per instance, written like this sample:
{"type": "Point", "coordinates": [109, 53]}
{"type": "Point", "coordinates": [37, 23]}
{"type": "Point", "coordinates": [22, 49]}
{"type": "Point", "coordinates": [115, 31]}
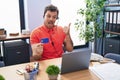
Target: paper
{"type": "Point", "coordinates": [108, 71]}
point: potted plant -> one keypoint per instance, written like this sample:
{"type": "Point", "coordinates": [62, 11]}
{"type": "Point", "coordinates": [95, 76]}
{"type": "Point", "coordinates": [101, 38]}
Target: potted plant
{"type": "Point", "coordinates": [52, 71]}
{"type": "Point", "coordinates": [93, 14]}
{"type": "Point", "coordinates": [1, 77]}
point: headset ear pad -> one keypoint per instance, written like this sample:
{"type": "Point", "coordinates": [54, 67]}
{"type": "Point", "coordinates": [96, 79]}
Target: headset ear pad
{"type": "Point", "coordinates": [57, 17]}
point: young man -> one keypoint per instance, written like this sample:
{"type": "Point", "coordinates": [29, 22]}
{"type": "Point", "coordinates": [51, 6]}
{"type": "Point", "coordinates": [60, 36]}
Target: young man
{"type": "Point", "coordinates": [48, 40]}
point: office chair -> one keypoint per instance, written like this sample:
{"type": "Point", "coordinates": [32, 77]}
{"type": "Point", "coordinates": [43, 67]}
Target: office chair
{"type": "Point", "coordinates": [2, 64]}
{"type": "Point", "coordinates": [113, 56]}
{"type": "Point", "coordinates": [1, 59]}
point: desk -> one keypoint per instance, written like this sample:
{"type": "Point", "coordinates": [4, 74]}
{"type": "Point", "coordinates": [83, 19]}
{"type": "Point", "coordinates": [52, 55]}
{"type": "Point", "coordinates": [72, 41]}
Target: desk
{"type": "Point", "coordinates": [21, 36]}
{"type": "Point", "coordinates": [9, 72]}
{"type": "Point", "coordinates": [8, 38]}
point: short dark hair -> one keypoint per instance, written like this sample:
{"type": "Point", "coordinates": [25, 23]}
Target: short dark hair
{"type": "Point", "coordinates": [51, 8]}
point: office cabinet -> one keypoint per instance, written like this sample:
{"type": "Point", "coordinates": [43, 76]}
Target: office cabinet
{"type": "Point", "coordinates": [16, 52]}
{"type": "Point", "coordinates": [112, 29]}
{"type": "Point", "coordinates": [112, 45]}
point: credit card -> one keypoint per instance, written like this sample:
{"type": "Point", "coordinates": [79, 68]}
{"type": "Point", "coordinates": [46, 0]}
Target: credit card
{"type": "Point", "coordinates": [44, 40]}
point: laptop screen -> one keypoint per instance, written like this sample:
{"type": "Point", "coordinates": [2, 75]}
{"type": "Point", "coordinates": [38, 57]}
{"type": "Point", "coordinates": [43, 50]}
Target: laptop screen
{"type": "Point", "coordinates": [76, 60]}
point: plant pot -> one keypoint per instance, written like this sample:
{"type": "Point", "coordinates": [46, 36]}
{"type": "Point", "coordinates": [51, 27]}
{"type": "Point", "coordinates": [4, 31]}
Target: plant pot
{"type": "Point", "coordinates": [53, 77]}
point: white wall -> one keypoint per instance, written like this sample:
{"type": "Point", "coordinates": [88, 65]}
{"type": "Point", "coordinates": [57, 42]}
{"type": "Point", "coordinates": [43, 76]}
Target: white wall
{"type": "Point", "coordinates": [34, 15]}
{"type": "Point", "coordinates": [10, 15]}
{"type": "Point", "coordinates": [68, 14]}
{"type": "Point", "coordinates": [34, 12]}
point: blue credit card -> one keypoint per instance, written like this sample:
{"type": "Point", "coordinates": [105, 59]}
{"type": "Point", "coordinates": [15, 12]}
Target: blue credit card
{"type": "Point", "coordinates": [44, 40]}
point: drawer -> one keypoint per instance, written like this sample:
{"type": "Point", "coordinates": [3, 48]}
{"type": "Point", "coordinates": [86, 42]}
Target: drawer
{"type": "Point", "coordinates": [112, 45]}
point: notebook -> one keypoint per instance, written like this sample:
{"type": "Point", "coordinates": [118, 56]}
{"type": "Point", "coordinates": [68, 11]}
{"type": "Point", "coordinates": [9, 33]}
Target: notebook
{"type": "Point", "coordinates": [107, 71]}
{"type": "Point", "coordinates": [75, 61]}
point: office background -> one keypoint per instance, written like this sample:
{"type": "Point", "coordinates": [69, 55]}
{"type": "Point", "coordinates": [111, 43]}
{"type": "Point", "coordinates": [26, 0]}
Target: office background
{"type": "Point", "coordinates": [31, 16]}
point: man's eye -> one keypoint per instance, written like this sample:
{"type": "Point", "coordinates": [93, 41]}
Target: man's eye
{"type": "Point", "coordinates": [48, 16]}
{"type": "Point", "coordinates": [54, 17]}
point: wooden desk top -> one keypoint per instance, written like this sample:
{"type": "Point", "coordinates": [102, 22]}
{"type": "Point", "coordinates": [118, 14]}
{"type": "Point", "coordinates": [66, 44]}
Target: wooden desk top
{"type": "Point", "coordinates": [20, 36]}
{"type": "Point", "coordinates": [9, 72]}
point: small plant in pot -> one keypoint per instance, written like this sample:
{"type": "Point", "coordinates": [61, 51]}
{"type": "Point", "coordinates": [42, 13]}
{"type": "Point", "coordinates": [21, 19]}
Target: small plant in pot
{"type": "Point", "coordinates": [52, 71]}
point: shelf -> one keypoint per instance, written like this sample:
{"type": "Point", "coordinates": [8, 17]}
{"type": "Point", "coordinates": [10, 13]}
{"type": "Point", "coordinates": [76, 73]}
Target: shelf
{"type": "Point", "coordinates": [112, 32]}
{"type": "Point", "coordinates": [112, 5]}
{"type": "Point", "coordinates": [111, 28]}
{"type": "Point", "coordinates": [114, 8]}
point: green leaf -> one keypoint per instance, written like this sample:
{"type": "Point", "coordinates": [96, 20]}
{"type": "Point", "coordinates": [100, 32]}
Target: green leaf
{"type": "Point", "coordinates": [1, 77]}
{"type": "Point", "coordinates": [93, 12]}
{"type": "Point", "coordinates": [52, 70]}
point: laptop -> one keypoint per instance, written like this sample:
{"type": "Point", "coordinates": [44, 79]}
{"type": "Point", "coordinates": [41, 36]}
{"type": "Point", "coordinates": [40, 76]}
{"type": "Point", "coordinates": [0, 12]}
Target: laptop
{"type": "Point", "coordinates": [76, 60]}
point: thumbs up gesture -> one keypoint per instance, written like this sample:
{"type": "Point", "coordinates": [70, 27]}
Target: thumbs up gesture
{"type": "Point", "coordinates": [67, 29]}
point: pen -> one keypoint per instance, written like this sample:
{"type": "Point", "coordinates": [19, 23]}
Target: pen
{"type": "Point", "coordinates": [36, 65]}
{"type": "Point", "coordinates": [19, 72]}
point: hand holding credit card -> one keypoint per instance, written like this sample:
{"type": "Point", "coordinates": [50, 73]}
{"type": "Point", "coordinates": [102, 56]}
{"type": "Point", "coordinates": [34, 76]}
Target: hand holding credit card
{"type": "Point", "coordinates": [44, 40]}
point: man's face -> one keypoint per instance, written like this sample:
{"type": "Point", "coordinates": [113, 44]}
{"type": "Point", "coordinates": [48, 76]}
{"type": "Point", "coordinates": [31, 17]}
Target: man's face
{"type": "Point", "coordinates": [50, 18]}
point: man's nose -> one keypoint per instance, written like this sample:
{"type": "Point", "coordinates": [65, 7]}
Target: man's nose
{"type": "Point", "coordinates": [51, 18]}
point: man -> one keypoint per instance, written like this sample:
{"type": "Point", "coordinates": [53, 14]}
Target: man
{"type": "Point", "coordinates": [48, 40]}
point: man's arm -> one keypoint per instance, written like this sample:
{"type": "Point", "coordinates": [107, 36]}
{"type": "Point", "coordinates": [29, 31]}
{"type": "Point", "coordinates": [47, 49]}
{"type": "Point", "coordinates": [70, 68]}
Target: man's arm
{"type": "Point", "coordinates": [68, 44]}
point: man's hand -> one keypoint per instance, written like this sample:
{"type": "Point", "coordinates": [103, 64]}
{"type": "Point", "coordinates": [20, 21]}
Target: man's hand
{"type": "Point", "coordinates": [68, 41]}
{"type": "Point", "coordinates": [37, 50]}
{"type": "Point", "coordinates": [67, 29]}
